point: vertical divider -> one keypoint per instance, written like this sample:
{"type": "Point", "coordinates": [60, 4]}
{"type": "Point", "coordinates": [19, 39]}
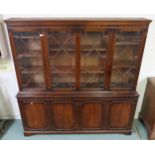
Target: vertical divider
{"type": "Point", "coordinates": [46, 59]}
{"type": "Point", "coordinates": [77, 59]}
{"type": "Point", "coordinates": [109, 59]}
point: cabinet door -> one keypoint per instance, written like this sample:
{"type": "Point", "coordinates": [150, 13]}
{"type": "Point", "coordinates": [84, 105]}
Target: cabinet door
{"type": "Point", "coordinates": [62, 52]}
{"type": "Point", "coordinates": [127, 55]}
{"type": "Point", "coordinates": [93, 48]}
{"type": "Point", "coordinates": [35, 115]}
{"type": "Point", "coordinates": [28, 55]}
{"type": "Point", "coordinates": [120, 114]}
{"type": "Point", "coordinates": [92, 115]}
{"type": "Point", "coordinates": [64, 115]}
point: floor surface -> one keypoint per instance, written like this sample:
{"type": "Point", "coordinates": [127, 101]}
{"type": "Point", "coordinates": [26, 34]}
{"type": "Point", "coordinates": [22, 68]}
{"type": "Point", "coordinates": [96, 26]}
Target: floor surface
{"type": "Point", "coordinates": [15, 132]}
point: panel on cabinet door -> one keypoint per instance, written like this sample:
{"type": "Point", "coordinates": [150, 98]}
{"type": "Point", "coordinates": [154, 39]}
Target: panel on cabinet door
{"type": "Point", "coordinates": [127, 51]}
{"type": "Point", "coordinates": [92, 115]}
{"type": "Point", "coordinates": [120, 114]}
{"type": "Point", "coordinates": [35, 115]}
{"type": "Point", "coordinates": [29, 56]}
{"type": "Point", "coordinates": [63, 115]}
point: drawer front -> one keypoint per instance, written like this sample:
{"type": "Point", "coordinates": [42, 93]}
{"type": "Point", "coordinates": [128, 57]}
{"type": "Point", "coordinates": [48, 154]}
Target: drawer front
{"type": "Point", "coordinates": [120, 114]}
{"type": "Point", "coordinates": [35, 115]}
{"type": "Point", "coordinates": [92, 115]}
{"type": "Point", "coordinates": [64, 115]}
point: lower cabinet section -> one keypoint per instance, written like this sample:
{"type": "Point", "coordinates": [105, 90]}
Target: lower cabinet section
{"type": "Point", "coordinates": [107, 116]}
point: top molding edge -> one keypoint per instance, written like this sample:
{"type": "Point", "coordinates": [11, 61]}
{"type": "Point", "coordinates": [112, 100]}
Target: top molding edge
{"type": "Point", "coordinates": [76, 22]}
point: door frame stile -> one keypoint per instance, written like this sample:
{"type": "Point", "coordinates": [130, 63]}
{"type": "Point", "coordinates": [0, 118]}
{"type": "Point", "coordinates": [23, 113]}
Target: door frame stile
{"type": "Point", "coordinates": [109, 60]}
{"type": "Point", "coordinates": [78, 60]}
{"type": "Point", "coordinates": [45, 52]}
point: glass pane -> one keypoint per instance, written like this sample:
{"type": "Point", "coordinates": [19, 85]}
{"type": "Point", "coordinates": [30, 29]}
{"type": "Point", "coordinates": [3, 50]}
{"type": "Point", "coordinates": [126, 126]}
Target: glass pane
{"type": "Point", "coordinates": [62, 59]}
{"type": "Point", "coordinates": [127, 45]}
{"type": "Point", "coordinates": [29, 55]}
{"type": "Point", "coordinates": [93, 56]}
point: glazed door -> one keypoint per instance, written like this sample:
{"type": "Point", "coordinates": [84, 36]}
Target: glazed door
{"type": "Point", "coordinates": [92, 115]}
{"type": "Point", "coordinates": [93, 53]}
{"type": "Point", "coordinates": [62, 56]}
{"type": "Point", "coordinates": [127, 55]}
{"type": "Point", "coordinates": [35, 115]}
{"type": "Point", "coordinates": [64, 115]}
{"type": "Point", "coordinates": [28, 55]}
{"type": "Point", "coordinates": [120, 114]}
